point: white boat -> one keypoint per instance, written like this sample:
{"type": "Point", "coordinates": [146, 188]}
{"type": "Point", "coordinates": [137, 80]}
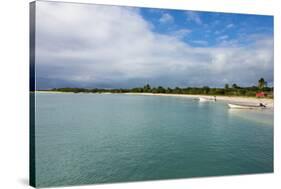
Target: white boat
{"type": "Point", "coordinates": [204, 99]}
{"type": "Point", "coordinates": [245, 106]}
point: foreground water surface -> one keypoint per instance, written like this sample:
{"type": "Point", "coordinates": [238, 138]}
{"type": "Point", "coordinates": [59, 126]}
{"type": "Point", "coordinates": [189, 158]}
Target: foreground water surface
{"type": "Point", "coordinates": [100, 138]}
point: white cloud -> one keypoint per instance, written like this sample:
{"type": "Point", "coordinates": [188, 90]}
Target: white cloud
{"type": "Point", "coordinates": [217, 32]}
{"type": "Point", "coordinates": [223, 37]}
{"type": "Point", "coordinates": [181, 33]}
{"type": "Point", "coordinates": [200, 42]}
{"type": "Point", "coordinates": [166, 18]}
{"type": "Point", "coordinates": [194, 17]}
{"type": "Point", "coordinates": [110, 46]}
{"type": "Point", "coordinates": [228, 26]}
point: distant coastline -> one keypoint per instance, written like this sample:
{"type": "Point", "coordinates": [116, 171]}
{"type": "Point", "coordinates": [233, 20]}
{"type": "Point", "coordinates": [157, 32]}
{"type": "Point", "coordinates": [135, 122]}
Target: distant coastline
{"type": "Point", "coordinates": [260, 90]}
{"type": "Point", "coordinates": [231, 94]}
{"type": "Point", "coordinates": [228, 99]}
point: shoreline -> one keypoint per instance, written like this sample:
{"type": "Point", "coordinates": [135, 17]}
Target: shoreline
{"type": "Point", "coordinates": [228, 99]}
{"type": "Point", "coordinates": [62, 92]}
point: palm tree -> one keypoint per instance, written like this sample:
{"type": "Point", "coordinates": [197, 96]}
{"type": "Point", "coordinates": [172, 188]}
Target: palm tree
{"type": "Point", "coordinates": [261, 83]}
{"type": "Point", "coordinates": [146, 88]}
{"type": "Point", "coordinates": [234, 85]}
{"type": "Point", "coordinates": [226, 86]}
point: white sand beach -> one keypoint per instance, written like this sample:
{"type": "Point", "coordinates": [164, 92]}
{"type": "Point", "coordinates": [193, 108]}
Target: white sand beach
{"type": "Point", "coordinates": [230, 99]}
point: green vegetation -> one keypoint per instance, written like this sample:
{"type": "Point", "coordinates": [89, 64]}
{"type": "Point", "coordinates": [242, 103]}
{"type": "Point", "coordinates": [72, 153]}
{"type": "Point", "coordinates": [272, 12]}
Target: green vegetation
{"type": "Point", "coordinates": [234, 90]}
{"type": "Point", "coordinates": [262, 83]}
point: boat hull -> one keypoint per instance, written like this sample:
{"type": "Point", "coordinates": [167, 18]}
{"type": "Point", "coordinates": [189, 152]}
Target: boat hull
{"type": "Point", "coordinates": [238, 106]}
{"type": "Point", "coordinates": [201, 99]}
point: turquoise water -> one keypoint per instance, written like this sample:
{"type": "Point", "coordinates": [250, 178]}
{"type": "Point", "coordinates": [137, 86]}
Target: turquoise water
{"type": "Point", "coordinates": [100, 138]}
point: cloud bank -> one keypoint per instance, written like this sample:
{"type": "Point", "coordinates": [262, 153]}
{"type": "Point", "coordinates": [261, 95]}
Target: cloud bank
{"type": "Point", "coordinates": [79, 45]}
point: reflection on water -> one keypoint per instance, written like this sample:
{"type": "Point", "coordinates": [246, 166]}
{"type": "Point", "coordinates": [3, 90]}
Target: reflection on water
{"type": "Point", "coordinates": [263, 116]}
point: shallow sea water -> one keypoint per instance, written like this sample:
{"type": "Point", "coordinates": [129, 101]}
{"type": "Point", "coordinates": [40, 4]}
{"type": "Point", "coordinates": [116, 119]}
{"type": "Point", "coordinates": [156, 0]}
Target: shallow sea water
{"type": "Point", "coordinates": [105, 138]}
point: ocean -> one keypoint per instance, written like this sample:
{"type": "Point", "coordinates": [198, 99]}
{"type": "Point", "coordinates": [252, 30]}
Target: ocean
{"type": "Point", "coordinates": [106, 138]}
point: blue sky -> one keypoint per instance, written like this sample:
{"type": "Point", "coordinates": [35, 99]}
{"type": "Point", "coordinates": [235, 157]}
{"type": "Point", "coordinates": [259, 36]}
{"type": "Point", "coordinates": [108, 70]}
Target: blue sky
{"type": "Point", "coordinates": [97, 46]}
{"type": "Point", "coordinates": [206, 28]}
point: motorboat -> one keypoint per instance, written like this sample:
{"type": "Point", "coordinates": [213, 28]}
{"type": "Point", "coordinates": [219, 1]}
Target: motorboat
{"type": "Point", "coordinates": [206, 99]}
{"type": "Point", "coordinates": [246, 106]}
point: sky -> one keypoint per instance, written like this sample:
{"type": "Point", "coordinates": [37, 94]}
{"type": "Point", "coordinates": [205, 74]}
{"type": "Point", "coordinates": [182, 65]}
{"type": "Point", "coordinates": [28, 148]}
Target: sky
{"type": "Point", "coordinates": [98, 46]}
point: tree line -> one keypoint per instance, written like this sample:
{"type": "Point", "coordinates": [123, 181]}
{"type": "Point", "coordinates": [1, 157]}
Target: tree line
{"type": "Point", "coordinates": [228, 90]}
